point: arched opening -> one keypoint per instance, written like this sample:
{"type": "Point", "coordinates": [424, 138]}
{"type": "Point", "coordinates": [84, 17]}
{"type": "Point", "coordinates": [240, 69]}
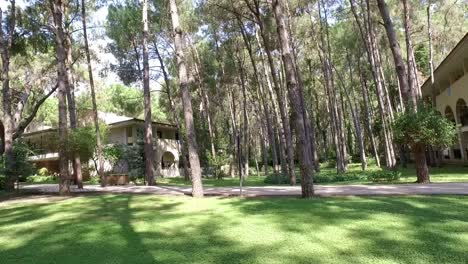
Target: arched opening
{"type": "Point", "coordinates": [167, 160]}
{"type": "Point", "coordinates": [462, 112]}
{"type": "Point", "coordinates": [449, 114]}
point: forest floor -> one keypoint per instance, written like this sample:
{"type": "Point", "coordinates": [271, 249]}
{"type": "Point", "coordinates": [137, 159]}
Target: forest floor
{"type": "Point", "coordinates": [155, 229]}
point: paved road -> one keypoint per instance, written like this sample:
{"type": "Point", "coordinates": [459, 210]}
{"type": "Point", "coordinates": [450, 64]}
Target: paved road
{"type": "Point", "coordinates": [320, 190]}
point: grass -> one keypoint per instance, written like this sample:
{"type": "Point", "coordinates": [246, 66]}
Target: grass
{"type": "Point", "coordinates": [150, 229]}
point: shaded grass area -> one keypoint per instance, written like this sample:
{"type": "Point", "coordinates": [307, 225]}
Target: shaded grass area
{"type": "Point", "coordinates": [151, 229]}
{"type": "Point", "coordinates": [354, 175]}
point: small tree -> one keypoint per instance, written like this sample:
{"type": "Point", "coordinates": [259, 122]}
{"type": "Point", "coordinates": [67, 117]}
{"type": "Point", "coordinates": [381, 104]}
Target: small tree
{"type": "Point", "coordinates": [420, 129]}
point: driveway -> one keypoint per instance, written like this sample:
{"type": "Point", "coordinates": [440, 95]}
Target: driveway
{"type": "Point", "coordinates": [268, 191]}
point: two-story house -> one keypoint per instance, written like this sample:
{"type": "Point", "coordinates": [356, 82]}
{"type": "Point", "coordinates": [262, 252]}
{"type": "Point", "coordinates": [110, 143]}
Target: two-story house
{"type": "Point", "coordinates": [451, 89]}
{"type": "Point", "coordinates": [121, 130]}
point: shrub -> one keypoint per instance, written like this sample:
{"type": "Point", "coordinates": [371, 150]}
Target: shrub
{"type": "Point", "coordinates": [42, 179]}
{"type": "Point", "coordinates": [384, 176]}
{"type": "Point", "coordinates": [318, 178]}
{"type": "Point", "coordinates": [22, 167]}
{"type": "Point", "coordinates": [43, 172]}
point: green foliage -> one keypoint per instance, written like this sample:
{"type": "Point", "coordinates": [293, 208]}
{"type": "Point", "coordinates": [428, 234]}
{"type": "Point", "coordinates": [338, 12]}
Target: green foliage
{"type": "Point", "coordinates": [41, 179]}
{"type": "Point", "coordinates": [22, 167]}
{"type": "Point", "coordinates": [113, 153]}
{"type": "Point", "coordinates": [123, 100]}
{"type": "Point", "coordinates": [82, 140]}
{"type": "Point", "coordinates": [216, 163]}
{"type": "Point", "coordinates": [318, 178]}
{"type": "Point", "coordinates": [43, 172]}
{"type": "Point", "coordinates": [132, 155]}
{"type": "Point", "coordinates": [424, 127]}
{"type": "Point", "coordinates": [421, 55]}
{"type": "Point", "coordinates": [47, 113]}
{"type": "Point", "coordinates": [384, 176]}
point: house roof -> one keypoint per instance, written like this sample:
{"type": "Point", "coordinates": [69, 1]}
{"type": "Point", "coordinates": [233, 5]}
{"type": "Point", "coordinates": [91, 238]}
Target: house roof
{"type": "Point", "coordinates": [110, 119]}
{"type": "Point", "coordinates": [450, 69]}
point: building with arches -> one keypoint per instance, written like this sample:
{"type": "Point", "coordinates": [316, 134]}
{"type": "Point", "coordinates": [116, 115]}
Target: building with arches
{"type": "Point", "coordinates": [122, 130]}
{"type": "Point", "coordinates": [451, 90]}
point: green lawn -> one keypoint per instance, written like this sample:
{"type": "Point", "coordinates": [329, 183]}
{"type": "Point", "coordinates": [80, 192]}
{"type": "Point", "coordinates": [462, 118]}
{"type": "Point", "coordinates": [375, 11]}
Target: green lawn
{"type": "Point", "coordinates": [151, 229]}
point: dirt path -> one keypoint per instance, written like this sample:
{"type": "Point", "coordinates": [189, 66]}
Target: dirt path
{"type": "Point", "coordinates": [265, 191]}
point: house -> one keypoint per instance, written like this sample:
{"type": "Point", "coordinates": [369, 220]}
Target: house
{"type": "Point", "coordinates": [121, 130]}
{"type": "Point", "coordinates": [451, 88]}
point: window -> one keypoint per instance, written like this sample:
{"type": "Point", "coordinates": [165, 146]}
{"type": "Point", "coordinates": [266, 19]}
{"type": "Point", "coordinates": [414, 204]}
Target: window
{"type": "Point", "coordinates": [462, 112]}
{"type": "Point", "coordinates": [176, 136]}
{"type": "Point", "coordinates": [159, 133]}
{"type": "Point", "coordinates": [130, 138]}
{"type": "Point", "coordinates": [457, 153]}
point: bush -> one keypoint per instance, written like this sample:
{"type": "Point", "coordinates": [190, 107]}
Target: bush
{"type": "Point", "coordinates": [22, 167]}
{"type": "Point", "coordinates": [43, 172]}
{"type": "Point", "coordinates": [318, 178]}
{"type": "Point", "coordinates": [384, 176]}
{"type": "Point", "coordinates": [94, 180]}
{"type": "Point", "coordinates": [42, 179]}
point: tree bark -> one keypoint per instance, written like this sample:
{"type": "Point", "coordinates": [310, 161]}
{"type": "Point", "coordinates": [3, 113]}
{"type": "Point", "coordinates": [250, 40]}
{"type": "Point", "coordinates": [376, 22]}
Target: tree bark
{"type": "Point", "coordinates": [93, 97]}
{"type": "Point", "coordinates": [295, 94]}
{"type": "Point", "coordinates": [422, 172]}
{"type": "Point", "coordinates": [281, 102]}
{"type": "Point", "coordinates": [197, 188]}
{"type": "Point", "coordinates": [148, 141]}
{"type": "Point", "coordinates": [57, 7]}
{"type": "Point", "coordinates": [397, 57]}
{"type": "Point", "coordinates": [167, 83]}
{"type": "Point", "coordinates": [76, 161]}
{"type": "Point", "coordinates": [6, 100]}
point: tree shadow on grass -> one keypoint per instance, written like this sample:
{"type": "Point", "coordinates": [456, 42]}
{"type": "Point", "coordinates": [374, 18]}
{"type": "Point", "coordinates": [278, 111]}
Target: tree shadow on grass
{"type": "Point", "coordinates": [373, 229]}
{"type": "Point", "coordinates": [115, 229]}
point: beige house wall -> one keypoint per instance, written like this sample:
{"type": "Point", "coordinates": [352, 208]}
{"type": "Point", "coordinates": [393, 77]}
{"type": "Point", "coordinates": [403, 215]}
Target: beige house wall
{"type": "Point", "coordinates": [448, 98]}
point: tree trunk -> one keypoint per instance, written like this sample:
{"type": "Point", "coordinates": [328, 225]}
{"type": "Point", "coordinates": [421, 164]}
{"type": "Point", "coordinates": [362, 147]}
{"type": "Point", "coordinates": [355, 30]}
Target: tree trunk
{"type": "Point", "coordinates": [204, 98]}
{"type": "Point", "coordinates": [197, 188]}
{"type": "Point", "coordinates": [396, 51]}
{"type": "Point", "coordinates": [57, 10]}
{"type": "Point", "coordinates": [422, 171]}
{"type": "Point", "coordinates": [93, 97]}
{"type": "Point", "coordinates": [76, 161]}
{"type": "Point", "coordinates": [6, 100]}
{"type": "Point", "coordinates": [411, 69]}
{"type": "Point", "coordinates": [281, 102]}
{"type": "Point", "coordinates": [295, 94]}
{"type": "Point", "coordinates": [368, 38]}
{"type": "Point", "coordinates": [148, 142]}
{"type": "Point", "coordinates": [174, 112]}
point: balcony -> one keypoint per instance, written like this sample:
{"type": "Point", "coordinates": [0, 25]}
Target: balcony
{"type": "Point", "coordinates": [44, 157]}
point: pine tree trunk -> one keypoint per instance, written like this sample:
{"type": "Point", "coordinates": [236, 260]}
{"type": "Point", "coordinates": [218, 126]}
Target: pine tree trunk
{"type": "Point", "coordinates": [368, 117]}
{"type": "Point", "coordinates": [57, 11]}
{"type": "Point", "coordinates": [295, 94]}
{"type": "Point", "coordinates": [204, 98]}
{"type": "Point", "coordinates": [167, 83]}
{"type": "Point", "coordinates": [396, 51]}
{"type": "Point", "coordinates": [6, 100]}
{"type": "Point", "coordinates": [422, 171]}
{"type": "Point", "coordinates": [282, 105]}
{"type": "Point", "coordinates": [368, 38]}
{"type": "Point", "coordinates": [148, 141]}
{"type": "Point", "coordinates": [197, 188]}
{"type": "Point", "coordinates": [93, 98]}
{"type": "Point", "coordinates": [76, 161]}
